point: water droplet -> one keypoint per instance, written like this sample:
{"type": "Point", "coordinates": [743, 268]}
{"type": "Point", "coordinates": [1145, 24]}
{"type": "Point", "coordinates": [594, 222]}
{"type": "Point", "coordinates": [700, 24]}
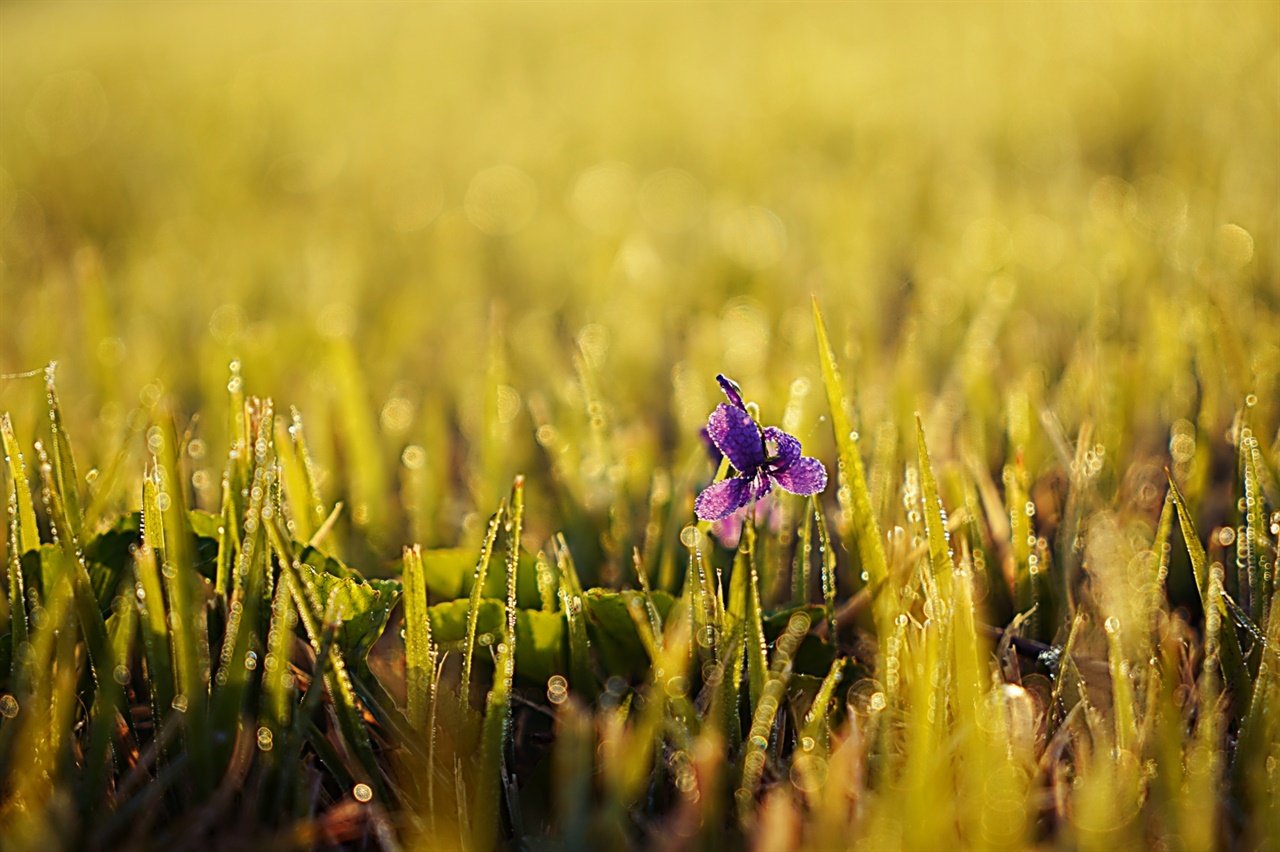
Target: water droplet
{"type": "Point", "coordinates": [265, 738]}
{"type": "Point", "coordinates": [121, 674]}
{"type": "Point", "coordinates": [809, 773]}
{"type": "Point", "coordinates": [712, 673]}
{"type": "Point", "coordinates": [362, 792]}
{"type": "Point", "coordinates": [557, 689]}
{"type": "Point", "coordinates": [180, 703]}
{"type": "Point", "coordinates": [8, 706]}
{"type": "Point", "coordinates": [1112, 624]}
{"type": "Point", "coordinates": [807, 743]}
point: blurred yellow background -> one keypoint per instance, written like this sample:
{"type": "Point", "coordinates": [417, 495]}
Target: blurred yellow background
{"type": "Point", "coordinates": [437, 228]}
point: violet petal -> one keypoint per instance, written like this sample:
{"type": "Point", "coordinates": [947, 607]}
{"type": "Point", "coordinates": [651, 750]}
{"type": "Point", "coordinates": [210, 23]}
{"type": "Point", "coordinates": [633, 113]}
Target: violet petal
{"type": "Point", "coordinates": [805, 476]}
{"type": "Point", "coordinates": [721, 499]}
{"type": "Point", "coordinates": [731, 390]}
{"type": "Point", "coordinates": [788, 448]}
{"type": "Point", "coordinates": [738, 437]}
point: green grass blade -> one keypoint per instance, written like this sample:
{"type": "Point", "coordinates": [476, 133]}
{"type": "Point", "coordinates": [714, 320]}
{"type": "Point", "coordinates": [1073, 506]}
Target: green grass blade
{"type": "Point", "coordinates": [650, 611]}
{"type": "Point", "coordinates": [279, 691]}
{"type": "Point", "coordinates": [154, 620]}
{"type": "Point", "coordinates": [320, 625]}
{"type": "Point", "coordinates": [477, 588]}
{"type": "Point", "coordinates": [815, 732]}
{"type": "Point", "coordinates": [827, 555]}
{"type": "Point", "coordinates": [184, 589]}
{"type": "Point", "coordinates": [1161, 551]}
{"type": "Point", "coordinates": [1232, 656]}
{"type": "Point", "coordinates": [420, 655]}
{"type": "Point", "coordinates": [853, 490]}
{"type": "Point", "coordinates": [18, 623]}
{"type": "Point", "coordinates": [766, 710]}
{"type": "Point", "coordinates": [358, 432]}
{"type": "Point", "coordinates": [28, 536]}
{"type": "Point", "coordinates": [305, 506]}
{"type": "Point", "coordinates": [804, 552]}
{"type": "Point", "coordinates": [486, 814]}
{"type": "Point", "coordinates": [573, 603]}
{"type": "Point", "coordinates": [64, 465]}
{"type": "Point", "coordinates": [935, 520]}
{"type": "Point", "coordinates": [107, 699]}
{"type": "Point", "coordinates": [757, 663]}
{"type": "Point", "coordinates": [514, 527]}
{"type": "Point", "coordinates": [1253, 543]}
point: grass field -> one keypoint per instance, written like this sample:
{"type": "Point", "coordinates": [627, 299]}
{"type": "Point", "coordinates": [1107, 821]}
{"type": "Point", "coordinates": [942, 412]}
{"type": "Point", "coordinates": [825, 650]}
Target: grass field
{"type": "Point", "coordinates": [358, 510]}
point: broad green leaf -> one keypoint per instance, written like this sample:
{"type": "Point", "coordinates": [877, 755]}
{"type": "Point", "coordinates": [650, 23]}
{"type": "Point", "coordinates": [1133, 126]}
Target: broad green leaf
{"type": "Point", "coordinates": [613, 629]}
{"type": "Point", "coordinates": [363, 607]}
{"type": "Point", "coordinates": [540, 635]}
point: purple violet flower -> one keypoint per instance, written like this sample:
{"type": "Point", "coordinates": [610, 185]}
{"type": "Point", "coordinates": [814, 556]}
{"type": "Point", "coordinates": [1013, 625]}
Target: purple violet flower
{"type": "Point", "coordinates": [762, 458]}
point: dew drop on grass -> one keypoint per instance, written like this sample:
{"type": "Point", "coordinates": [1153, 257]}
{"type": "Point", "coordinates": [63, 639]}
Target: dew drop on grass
{"type": "Point", "coordinates": [1112, 624]}
{"type": "Point", "coordinates": [861, 694]}
{"type": "Point", "coordinates": [121, 674]}
{"type": "Point", "coordinates": [362, 792]}
{"type": "Point", "coordinates": [557, 689]}
{"type": "Point", "coordinates": [180, 703]}
{"type": "Point", "coordinates": [265, 738]}
{"type": "Point", "coordinates": [712, 673]}
{"type": "Point", "coordinates": [809, 773]}
{"type": "Point", "coordinates": [8, 706]}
